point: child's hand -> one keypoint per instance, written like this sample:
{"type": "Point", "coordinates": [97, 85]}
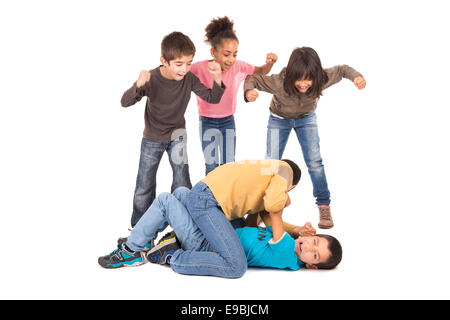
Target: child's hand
{"type": "Point", "coordinates": [271, 58]}
{"type": "Point", "coordinates": [144, 77]}
{"type": "Point", "coordinates": [360, 82]}
{"type": "Point", "coordinates": [251, 95]}
{"type": "Point", "coordinates": [214, 68]}
{"type": "Point", "coordinates": [216, 71]}
{"type": "Point", "coordinates": [306, 231]}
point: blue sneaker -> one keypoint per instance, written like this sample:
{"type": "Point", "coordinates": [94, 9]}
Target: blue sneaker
{"type": "Point", "coordinates": [162, 253]}
{"type": "Point", "coordinates": [121, 257]}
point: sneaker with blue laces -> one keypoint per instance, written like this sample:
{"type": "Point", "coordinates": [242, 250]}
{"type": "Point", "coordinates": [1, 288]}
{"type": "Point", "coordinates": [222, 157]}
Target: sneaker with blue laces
{"type": "Point", "coordinates": [162, 253]}
{"type": "Point", "coordinates": [121, 257]}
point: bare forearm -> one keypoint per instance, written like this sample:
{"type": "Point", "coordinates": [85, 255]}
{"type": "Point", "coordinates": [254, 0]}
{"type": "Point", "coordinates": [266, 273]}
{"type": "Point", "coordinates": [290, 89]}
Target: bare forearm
{"type": "Point", "coordinates": [264, 69]}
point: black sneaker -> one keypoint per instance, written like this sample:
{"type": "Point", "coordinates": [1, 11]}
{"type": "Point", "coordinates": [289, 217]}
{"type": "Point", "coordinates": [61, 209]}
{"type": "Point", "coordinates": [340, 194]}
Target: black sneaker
{"type": "Point", "coordinates": [121, 257]}
{"type": "Point", "coordinates": [170, 235]}
{"type": "Point", "coordinates": [162, 252]}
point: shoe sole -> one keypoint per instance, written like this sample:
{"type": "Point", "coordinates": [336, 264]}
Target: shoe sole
{"type": "Point", "coordinates": [325, 227]}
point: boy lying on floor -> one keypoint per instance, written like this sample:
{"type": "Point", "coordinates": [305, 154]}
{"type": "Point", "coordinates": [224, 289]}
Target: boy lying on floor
{"type": "Point", "coordinates": [269, 247]}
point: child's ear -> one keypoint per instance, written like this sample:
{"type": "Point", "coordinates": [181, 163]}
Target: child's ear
{"type": "Point", "coordinates": [311, 266]}
{"type": "Point", "coordinates": [213, 53]}
{"type": "Point", "coordinates": [163, 61]}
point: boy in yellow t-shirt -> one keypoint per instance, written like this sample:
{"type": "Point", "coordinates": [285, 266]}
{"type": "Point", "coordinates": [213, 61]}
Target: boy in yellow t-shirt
{"type": "Point", "coordinates": [230, 191]}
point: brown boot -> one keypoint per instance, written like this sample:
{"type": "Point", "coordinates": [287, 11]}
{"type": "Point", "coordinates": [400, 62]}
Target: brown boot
{"type": "Point", "coordinates": [326, 222]}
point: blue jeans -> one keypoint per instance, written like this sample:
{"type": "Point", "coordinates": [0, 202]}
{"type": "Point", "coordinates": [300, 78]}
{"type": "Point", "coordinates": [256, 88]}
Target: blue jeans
{"type": "Point", "coordinates": [168, 209]}
{"type": "Point", "coordinates": [218, 138]}
{"type": "Point", "coordinates": [278, 131]}
{"type": "Point", "coordinates": [200, 226]}
{"type": "Point", "coordinates": [151, 154]}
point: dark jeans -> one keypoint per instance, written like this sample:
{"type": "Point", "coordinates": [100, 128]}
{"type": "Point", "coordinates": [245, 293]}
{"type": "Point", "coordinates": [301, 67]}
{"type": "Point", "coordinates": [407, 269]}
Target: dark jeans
{"type": "Point", "coordinates": [218, 137]}
{"type": "Point", "coordinates": [151, 154]}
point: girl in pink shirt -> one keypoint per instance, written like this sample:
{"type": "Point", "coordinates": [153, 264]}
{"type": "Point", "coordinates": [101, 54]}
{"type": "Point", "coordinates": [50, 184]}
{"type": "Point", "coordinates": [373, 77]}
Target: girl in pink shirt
{"type": "Point", "coordinates": [217, 126]}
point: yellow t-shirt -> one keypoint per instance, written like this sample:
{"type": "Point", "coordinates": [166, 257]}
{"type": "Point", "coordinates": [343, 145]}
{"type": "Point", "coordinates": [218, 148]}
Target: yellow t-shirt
{"type": "Point", "coordinates": [250, 186]}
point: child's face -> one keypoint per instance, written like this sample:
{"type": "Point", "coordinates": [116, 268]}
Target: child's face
{"type": "Point", "coordinates": [226, 53]}
{"type": "Point", "coordinates": [303, 85]}
{"type": "Point", "coordinates": [177, 68]}
{"type": "Point", "coordinates": [312, 250]}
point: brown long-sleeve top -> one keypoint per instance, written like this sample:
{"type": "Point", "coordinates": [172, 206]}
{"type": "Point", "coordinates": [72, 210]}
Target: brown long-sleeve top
{"type": "Point", "coordinates": [294, 106]}
{"type": "Point", "coordinates": [167, 101]}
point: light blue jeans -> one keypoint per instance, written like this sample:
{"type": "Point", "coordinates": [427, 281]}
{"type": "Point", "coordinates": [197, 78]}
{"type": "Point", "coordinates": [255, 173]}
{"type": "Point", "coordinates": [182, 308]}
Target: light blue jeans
{"type": "Point", "coordinates": [278, 131]}
{"type": "Point", "coordinates": [210, 246]}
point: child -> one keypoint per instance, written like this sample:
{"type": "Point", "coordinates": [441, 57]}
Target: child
{"type": "Point", "coordinates": [217, 126]}
{"type": "Point", "coordinates": [168, 89]}
{"type": "Point", "coordinates": [269, 247]}
{"type": "Point", "coordinates": [250, 187]}
{"type": "Point", "coordinates": [296, 90]}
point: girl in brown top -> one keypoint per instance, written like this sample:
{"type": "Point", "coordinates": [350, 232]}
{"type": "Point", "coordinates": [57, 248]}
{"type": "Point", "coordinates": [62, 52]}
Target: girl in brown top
{"type": "Point", "coordinates": [296, 90]}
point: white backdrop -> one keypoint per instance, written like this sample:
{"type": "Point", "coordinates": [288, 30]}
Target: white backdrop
{"type": "Point", "coordinates": [70, 152]}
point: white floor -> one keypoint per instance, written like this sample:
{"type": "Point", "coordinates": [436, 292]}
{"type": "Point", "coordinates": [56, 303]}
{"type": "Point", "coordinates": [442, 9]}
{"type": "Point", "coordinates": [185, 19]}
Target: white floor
{"type": "Point", "coordinates": [70, 152]}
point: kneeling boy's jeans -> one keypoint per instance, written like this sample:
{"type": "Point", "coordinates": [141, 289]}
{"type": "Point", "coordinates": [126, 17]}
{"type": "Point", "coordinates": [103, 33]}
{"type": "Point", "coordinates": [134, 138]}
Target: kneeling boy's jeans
{"type": "Point", "coordinates": [210, 246]}
{"type": "Point", "coordinates": [151, 154]}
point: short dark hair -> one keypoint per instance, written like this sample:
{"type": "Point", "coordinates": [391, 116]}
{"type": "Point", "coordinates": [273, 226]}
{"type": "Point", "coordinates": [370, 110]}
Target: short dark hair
{"type": "Point", "coordinates": [176, 45]}
{"type": "Point", "coordinates": [296, 170]}
{"type": "Point", "coordinates": [304, 63]}
{"type": "Point", "coordinates": [218, 30]}
{"type": "Point", "coordinates": [336, 252]}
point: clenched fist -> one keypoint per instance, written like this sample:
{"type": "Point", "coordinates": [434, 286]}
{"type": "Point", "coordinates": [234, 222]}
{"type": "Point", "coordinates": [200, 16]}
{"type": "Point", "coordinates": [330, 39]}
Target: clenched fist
{"type": "Point", "coordinates": [306, 231]}
{"type": "Point", "coordinates": [360, 82]}
{"type": "Point", "coordinates": [214, 68]}
{"type": "Point", "coordinates": [251, 95]}
{"type": "Point", "coordinates": [144, 77]}
{"type": "Point", "coordinates": [216, 71]}
{"type": "Point", "coordinates": [271, 58]}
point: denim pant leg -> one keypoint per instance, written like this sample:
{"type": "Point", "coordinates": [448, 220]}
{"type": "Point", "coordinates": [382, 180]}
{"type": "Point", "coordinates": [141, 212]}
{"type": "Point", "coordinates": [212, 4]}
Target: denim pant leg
{"type": "Point", "coordinates": [278, 131]}
{"type": "Point", "coordinates": [168, 209]}
{"type": "Point", "coordinates": [229, 259]}
{"type": "Point", "coordinates": [177, 152]}
{"type": "Point", "coordinates": [145, 192]}
{"type": "Point", "coordinates": [308, 136]}
{"type": "Point", "coordinates": [218, 138]}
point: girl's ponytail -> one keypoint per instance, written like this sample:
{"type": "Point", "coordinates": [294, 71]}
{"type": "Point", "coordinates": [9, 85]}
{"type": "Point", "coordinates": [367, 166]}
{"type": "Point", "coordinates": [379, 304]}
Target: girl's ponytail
{"type": "Point", "coordinates": [219, 29]}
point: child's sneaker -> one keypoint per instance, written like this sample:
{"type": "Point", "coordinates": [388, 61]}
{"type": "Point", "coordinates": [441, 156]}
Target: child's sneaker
{"type": "Point", "coordinates": [147, 247]}
{"type": "Point", "coordinates": [121, 257]}
{"type": "Point", "coordinates": [326, 222]}
{"type": "Point", "coordinates": [168, 236]}
{"type": "Point", "coordinates": [162, 253]}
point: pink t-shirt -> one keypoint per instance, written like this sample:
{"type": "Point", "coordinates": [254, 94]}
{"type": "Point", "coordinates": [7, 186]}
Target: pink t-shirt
{"type": "Point", "coordinates": [232, 80]}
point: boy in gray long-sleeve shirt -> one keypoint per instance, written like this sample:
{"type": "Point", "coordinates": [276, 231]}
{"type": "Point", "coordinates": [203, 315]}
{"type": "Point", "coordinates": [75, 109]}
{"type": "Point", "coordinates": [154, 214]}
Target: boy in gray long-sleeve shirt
{"type": "Point", "coordinates": [168, 90]}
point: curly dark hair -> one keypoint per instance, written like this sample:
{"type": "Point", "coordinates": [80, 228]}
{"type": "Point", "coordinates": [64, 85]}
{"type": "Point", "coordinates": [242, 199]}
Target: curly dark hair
{"type": "Point", "coordinates": [218, 30]}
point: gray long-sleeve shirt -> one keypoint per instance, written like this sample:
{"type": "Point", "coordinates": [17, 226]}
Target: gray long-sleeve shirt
{"type": "Point", "coordinates": [167, 101]}
{"type": "Point", "coordinates": [294, 106]}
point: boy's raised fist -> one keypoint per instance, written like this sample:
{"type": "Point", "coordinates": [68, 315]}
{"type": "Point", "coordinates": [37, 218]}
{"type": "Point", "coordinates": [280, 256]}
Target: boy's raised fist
{"type": "Point", "coordinates": [144, 77]}
{"type": "Point", "coordinates": [214, 67]}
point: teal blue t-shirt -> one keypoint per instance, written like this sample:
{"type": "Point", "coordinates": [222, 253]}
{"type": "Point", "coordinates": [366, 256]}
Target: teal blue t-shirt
{"type": "Point", "coordinates": [261, 253]}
